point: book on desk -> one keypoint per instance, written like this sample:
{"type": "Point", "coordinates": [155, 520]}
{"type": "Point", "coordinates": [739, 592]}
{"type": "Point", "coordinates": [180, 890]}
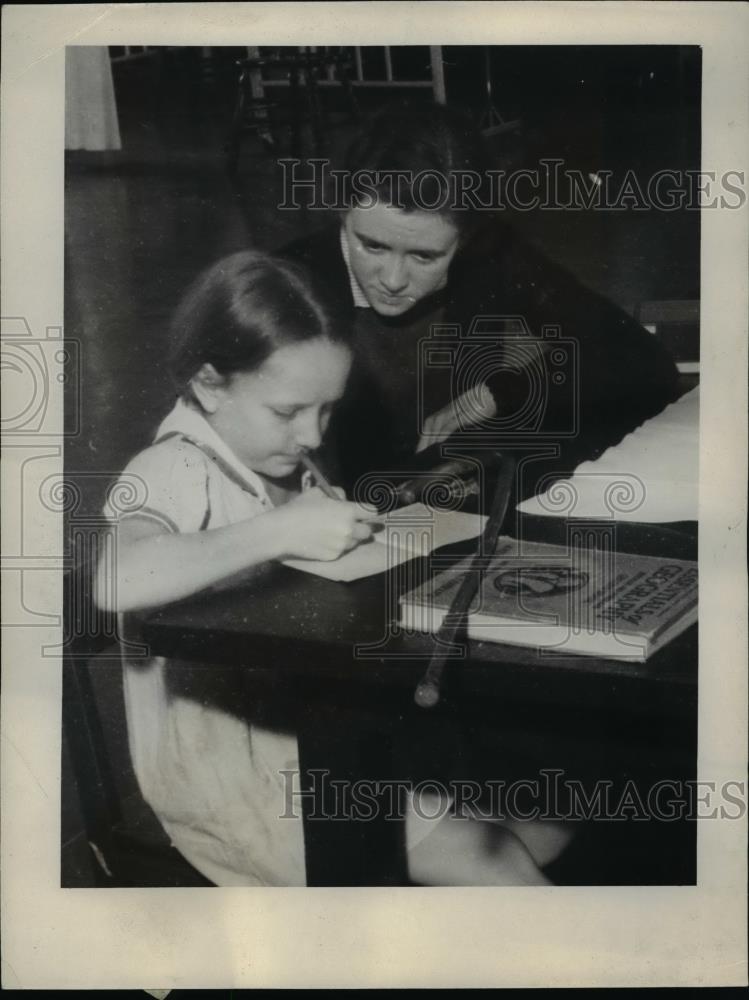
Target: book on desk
{"type": "Point", "coordinates": [583, 601]}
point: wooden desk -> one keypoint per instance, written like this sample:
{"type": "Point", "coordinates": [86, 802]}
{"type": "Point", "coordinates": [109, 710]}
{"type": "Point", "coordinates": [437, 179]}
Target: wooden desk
{"type": "Point", "coordinates": [304, 652]}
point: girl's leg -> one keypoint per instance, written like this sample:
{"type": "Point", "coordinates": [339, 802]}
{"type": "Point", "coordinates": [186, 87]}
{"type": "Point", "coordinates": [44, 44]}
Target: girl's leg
{"type": "Point", "coordinates": [544, 839]}
{"type": "Point", "coordinates": [468, 852]}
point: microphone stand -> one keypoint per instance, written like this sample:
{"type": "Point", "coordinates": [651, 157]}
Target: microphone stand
{"type": "Point", "coordinates": [427, 693]}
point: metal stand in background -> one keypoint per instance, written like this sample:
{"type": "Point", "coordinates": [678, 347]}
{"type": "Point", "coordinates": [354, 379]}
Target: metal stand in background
{"type": "Point", "coordinates": [491, 121]}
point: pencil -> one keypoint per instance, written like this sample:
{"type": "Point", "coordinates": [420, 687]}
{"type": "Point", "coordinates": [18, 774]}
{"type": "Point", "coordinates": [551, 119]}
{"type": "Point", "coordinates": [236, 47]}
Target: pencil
{"type": "Point", "coordinates": [320, 479]}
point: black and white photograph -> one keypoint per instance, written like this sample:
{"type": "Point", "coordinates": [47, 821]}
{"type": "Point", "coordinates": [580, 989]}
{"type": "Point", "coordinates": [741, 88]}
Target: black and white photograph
{"type": "Point", "coordinates": [372, 434]}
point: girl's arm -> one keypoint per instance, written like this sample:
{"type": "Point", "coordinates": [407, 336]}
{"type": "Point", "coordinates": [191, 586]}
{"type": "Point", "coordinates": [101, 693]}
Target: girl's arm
{"type": "Point", "coordinates": [155, 566]}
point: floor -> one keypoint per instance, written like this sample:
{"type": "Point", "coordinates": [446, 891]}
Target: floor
{"type": "Point", "coordinates": [142, 222]}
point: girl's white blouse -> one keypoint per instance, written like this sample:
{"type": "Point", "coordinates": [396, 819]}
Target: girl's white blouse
{"type": "Point", "coordinates": [218, 784]}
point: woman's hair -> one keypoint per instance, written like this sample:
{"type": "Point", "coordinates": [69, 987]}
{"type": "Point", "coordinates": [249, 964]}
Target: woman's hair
{"type": "Point", "coordinates": [242, 309]}
{"type": "Point", "coordinates": [413, 155]}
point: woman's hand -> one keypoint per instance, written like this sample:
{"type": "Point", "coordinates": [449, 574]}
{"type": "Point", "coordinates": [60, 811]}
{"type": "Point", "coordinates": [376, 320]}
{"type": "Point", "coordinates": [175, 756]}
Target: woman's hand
{"type": "Point", "coordinates": [472, 407]}
{"type": "Point", "coordinates": [315, 527]}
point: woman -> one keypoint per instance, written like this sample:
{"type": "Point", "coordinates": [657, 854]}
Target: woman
{"type": "Point", "coordinates": [395, 267]}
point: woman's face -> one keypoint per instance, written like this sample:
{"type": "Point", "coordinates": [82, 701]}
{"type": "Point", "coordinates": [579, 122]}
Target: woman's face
{"type": "Point", "coordinates": [399, 257]}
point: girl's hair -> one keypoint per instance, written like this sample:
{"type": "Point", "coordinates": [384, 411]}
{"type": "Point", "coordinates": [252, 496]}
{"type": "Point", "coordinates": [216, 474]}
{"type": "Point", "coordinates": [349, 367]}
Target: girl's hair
{"type": "Point", "coordinates": [436, 141]}
{"type": "Point", "coordinates": [242, 309]}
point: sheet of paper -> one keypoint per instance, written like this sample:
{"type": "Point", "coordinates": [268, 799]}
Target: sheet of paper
{"type": "Point", "coordinates": [651, 475]}
{"type": "Point", "coordinates": [407, 533]}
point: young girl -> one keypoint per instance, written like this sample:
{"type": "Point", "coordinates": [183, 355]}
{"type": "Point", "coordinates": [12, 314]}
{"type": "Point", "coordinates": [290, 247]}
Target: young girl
{"type": "Point", "coordinates": [260, 364]}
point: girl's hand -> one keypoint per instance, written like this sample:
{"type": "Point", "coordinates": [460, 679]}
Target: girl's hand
{"type": "Point", "coordinates": [315, 527]}
{"type": "Point", "coordinates": [471, 408]}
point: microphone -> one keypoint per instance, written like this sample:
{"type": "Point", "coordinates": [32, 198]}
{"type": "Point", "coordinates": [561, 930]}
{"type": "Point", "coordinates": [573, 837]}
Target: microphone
{"type": "Point", "coordinates": [427, 693]}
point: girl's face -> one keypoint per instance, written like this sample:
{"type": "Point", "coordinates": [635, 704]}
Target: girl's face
{"type": "Point", "coordinates": [399, 257]}
{"type": "Point", "coordinates": [269, 416]}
